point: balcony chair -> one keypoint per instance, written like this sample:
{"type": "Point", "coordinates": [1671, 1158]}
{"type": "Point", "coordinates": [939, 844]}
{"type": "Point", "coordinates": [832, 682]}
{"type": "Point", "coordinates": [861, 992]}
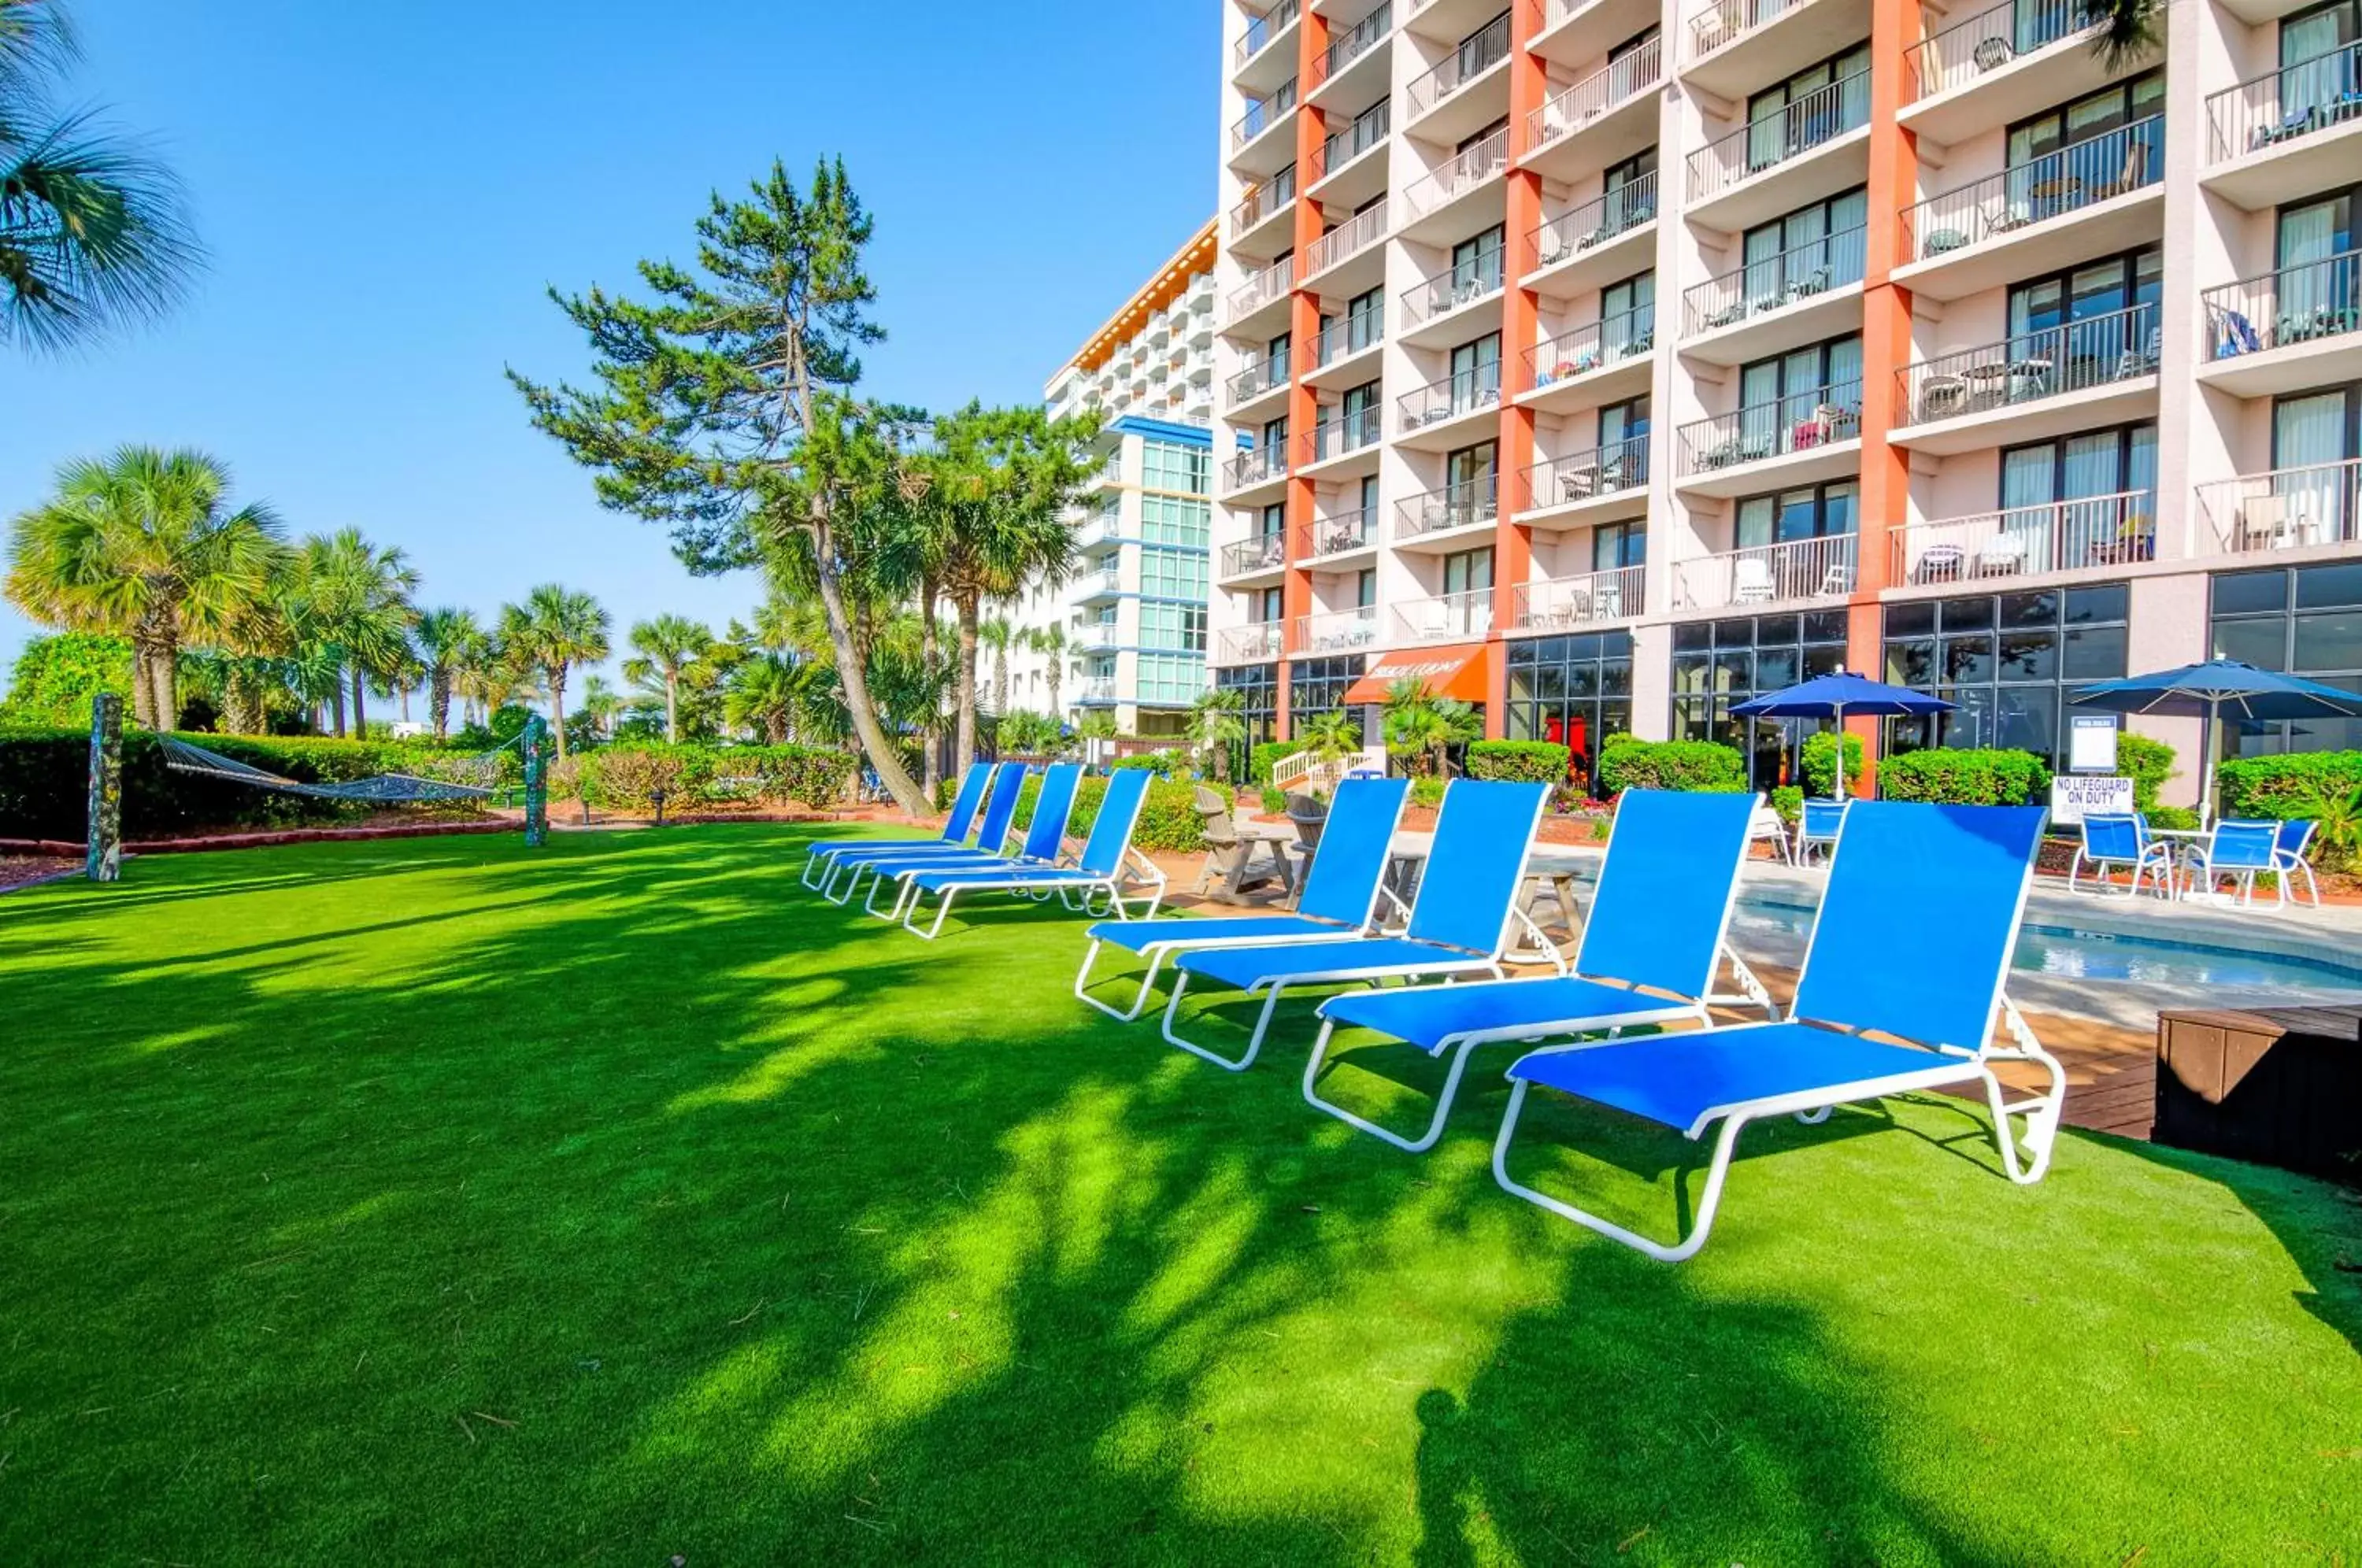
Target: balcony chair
{"type": "Point", "coordinates": [1992, 53]}
{"type": "Point", "coordinates": [1942, 240]}
{"type": "Point", "coordinates": [1940, 397]}
{"type": "Point", "coordinates": [2141, 361]}
{"type": "Point", "coordinates": [2130, 177]}
{"type": "Point", "coordinates": [2263, 524]}
{"type": "Point", "coordinates": [1750, 581]}
{"type": "Point", "coordinates": [2003, 554]}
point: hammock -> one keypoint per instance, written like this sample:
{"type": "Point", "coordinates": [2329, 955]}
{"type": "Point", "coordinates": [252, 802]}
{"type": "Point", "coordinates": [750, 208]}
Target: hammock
{"type": "Point", "coordinates": [391, 789]}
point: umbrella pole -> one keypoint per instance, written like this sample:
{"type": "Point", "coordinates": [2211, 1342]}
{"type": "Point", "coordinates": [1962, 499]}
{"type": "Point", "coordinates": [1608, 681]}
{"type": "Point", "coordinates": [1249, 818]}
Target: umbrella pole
{"type": "Point", "coordinates": [2206, 765]}
{"type": "Point", "coordinates": [1840, 794]}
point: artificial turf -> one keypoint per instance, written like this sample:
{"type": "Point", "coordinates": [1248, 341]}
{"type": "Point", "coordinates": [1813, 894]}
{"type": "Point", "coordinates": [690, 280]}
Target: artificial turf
{"type": "Point", "coordinates": [442, 1202]}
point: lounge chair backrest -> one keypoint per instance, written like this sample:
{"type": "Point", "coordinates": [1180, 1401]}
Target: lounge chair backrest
{"type": "Point", "coordinates": [2110, 836]}
{"type": "Point", "coordinates": [1482, 837]}
{"type": "Point", "coordinates": [1342, 884]}
{"type": "Point", "coordinates": [2295, 833]}
{"type": "Point", "coordinates": [1665, 890]}
{"type": "Point", "coordinates": [1118, 815]}
{"type": "Point", "coordinates": [2242, 845]}
{"type": "Point", "coordinates": [1000, 809]}
{"type": "Point", "coordinates": [1045, 837]}
{"type": "Point", "coordinates": [1823, 819]}
{"type": "Point", "coordinates": [965, 803]}
{"type": "Point", "coordinates": [1967, 868]}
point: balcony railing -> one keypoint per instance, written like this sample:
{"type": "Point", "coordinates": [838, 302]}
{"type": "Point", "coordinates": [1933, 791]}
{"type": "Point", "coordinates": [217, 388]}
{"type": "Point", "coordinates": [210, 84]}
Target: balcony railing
{"type": "Point", "coordinates": [1255, 465]}
{"type": "Point", "coordinates": [1460, 505]}
{"type": "Point", "coordinates": [2058, 535]}
{"type": "Point", "coordinates": [1348, 335]}
{"type": "Point", "coordinates": [1483, 161]}
{"type": "Point", "coordinates": [1256, 644]}
{"type": "Point", "coordinates": [2287, 508]}
{"type": "Point", "coordinates": [1989, 39]}
{"type": "Point", "coordinates": [1476, 55]}
{"type": "Point", "coordinates": [1787, 133]}
{"type": "Point", "coordinates": [1462, 392]}
{"type": "Point", "coordinates": [1594, 344]}
{"type": "Point", "coordinates": [1445, 617]}
{"type": "Point", "coordinates": [1618, 81]}
{"type": "Point", "coordinates": [1337, 631]}
{"type": "Point", "coordinates": [1257, 378]}
{"type": "Point", "coordinates": [1773, 282]}
{"type": "Point", "coordinates": [1101, 690]}
{"type": "Point", "coordinates": [1265, 286]}
{"type": "Point", "coordinates": [1598, 221]}
{"type": "Point", "coordinates": [1339, 147]}
{"type": "Point", "coordinates": [1356, 234]}
{"type": "Point", "coordinates": [1261, 29]}
{"type": "Point", "coordinates": [1266, 552]}
{"type": "Point", "coordinates": [1343, 433]}
{"type": "Point", "coordinates": [1773, 428]}
{"type": "Point", "coordinates": [1586, 476]}
{"type": "Point", "coordinates": [1264, 113]}
{"type": "Point", "coordinates": [2284, 105]}
{"type": "Point", "coordinates": [1263, 201]}
{"type": "Point", "coordinates": [1101, 584]}
{"type": "Point", "coordinates": [1564, 603]}
{"type": "Point", "coordinates": [1103, 528]}
{"type": "Point", "coordinates": [1336, 534]}
{"type": "Point", "coordinates": [1713, 26]}
{"type": "Point", "coordinates": [1094, 634]}
{"type": "Point", "coordinates": [1454, 286]}
{"type": "Point", "coordinates": [2121, 346]}
{"type": "Point", "coordinates": [1352, 44]}
{"type": "Point", "coordinates": [1767, 574]}
{"type": "Point", "coordinates": [2121, 162]}
{"type": "Point", "coordinates": [2296, 304]}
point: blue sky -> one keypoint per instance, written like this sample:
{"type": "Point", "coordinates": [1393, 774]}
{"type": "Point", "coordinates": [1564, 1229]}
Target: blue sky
{"type": "Point", "coordinates": [386, 191]}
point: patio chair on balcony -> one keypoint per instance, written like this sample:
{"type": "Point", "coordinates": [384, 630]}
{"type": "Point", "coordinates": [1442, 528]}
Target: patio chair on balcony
{"type": "Point", "coordinates": [2141, 361]}
{"type": "Point", "coordinates": [1940, 397]}
{"type": "Point", "coordinates": [2263, 523]}
{"type": "Point", "coordinates": [1578, 484]}
{"type": "Point", "coordinates": [1940, 242]}
{"type": "Point", "coordinates": [2130, 177]}
{"type": "Point", "coordinates": [1992, 53]}
{"type": "Point", "coordinates": [2003, 554]}
{"type": "Point", "coordinates": [1750, 581]}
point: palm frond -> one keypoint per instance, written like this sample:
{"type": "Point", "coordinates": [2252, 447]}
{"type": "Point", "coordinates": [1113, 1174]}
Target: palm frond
{"type": "Point", "coordinates": [94, 234]}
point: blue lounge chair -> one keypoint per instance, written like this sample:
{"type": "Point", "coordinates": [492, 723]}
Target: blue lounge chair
{"type": "Point", "coordinates": [1817, 826]}
{"type": "Point", "coordinates": [1099, 870]}
{"type": "Point", "coordinates": [2242, 851]}
{"type": "Point", "coordinates": [2289, 859]}
{"type": "Point", "coordinates": [1341, 888]}
{"type": "Point", "coordinates": [1460, 919]}
{"type": "Point", "coordinates": [1872, 1016]}
{"type": "Point", "coordinates": [1652, 945]}
{"type": "Point", "coordinates": [829, 856]}
{"type": "Point", "coordinates": [1044, 844]}
{"type": "Point", "coordinates": [2113, 840]}
{"type": "Point", "coordinates": [996, 831]}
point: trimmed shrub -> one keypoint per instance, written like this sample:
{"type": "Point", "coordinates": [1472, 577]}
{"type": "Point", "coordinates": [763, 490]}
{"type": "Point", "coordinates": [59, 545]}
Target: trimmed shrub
{"type": "Point", "coordinates": [1173, 764]}
{"type": "Point", "coordinates": [1789, 801]}
{"type": "Point", "coordinates": [1273, 798]}
{"type": "Point", "coordinates": [2148, 763]}
{"type": "Point", "coordinates": [1426, 791]}
{"type": "Point", "coordinates": [1524, 761]}
{"type": "Point", "coordinates": [2287, 786]}
{"type": "Point", "coordinates": [1820, 753]}
{"type": "Point", "coordinates": [1700, 766]}
{"type": "Point", "coordinates": [1168, 822]}
{"type": "Point", "coordinates": [633, 777]}
{"type": "Point", "coordinates": [1966, 776]}
{"type": "Point", "coordinates": [2179, 818]}
{"type": "Point", "coordinates": [1268, 755]}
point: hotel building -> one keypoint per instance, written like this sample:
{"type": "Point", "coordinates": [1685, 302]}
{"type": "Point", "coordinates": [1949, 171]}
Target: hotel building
{"type": "Point", "coordinates": [1608, 362]}
{"type": "Point", "coordinates": [1134, 612]}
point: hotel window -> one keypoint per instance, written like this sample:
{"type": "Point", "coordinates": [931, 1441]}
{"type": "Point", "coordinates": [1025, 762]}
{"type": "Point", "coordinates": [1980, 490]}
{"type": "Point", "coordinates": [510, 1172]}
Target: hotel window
{"type": "Point", "coordinates": [1622, 444]}
{"type": "Point", "coordinates": [1258, 689]}
{"type": "Point", "coordinates": [1628, 191]}
{"type": "Point", "coordinates": [1809, 250]}
{"type": "Point", "coordinates": [1467, 571]}
{"type": "Point", "coordinates": [1817, 103]}
{"type": "Point", "coordinates": [1575, 691]}
{"type": "Point", "coordinates": [1175, 466]}
{"type": "Point", "coordinates": [2007, 661]}
{"type": "Point", "coordinates": [1168, 678]}
{"type": "Point", "coordinates": [1808, 512]}
{"type": "Point", "coordinates": [1275, 359]}
{"type": "Point", "coordinates": [1174, 520]}
{"type": "Point", "coordinates": [1718, 663]}
{"type": "Point", "coordinates": [1173, 627]}
{"type": "Point", "coordinates": [1274, 439]}
{"type": "Point", "coordinates": [2317, 61]}
{"type": "Point", "coordinates": [1267, 602]}
{"type": "Point", "coordinates": [1365, 319]}
{"type": "Point", "coordinates": [1476, 373]}
{"type": "Point", "coordinates": [2316, 254]}
{"type": "Point", "coordinates": [1615, 546]}
{"type": "Point", "coordinates": [2305, 621]}
{"type": "Point", "coordinates": [1787, 403]}
{"type": "Point", "coordinates": [1627, 316]}
{"type": "Point", "coordinates": [1318, 685]}
{"type": "Point", "coordinates": [1274, 521]}
{"type": "Point", "coordinates": [2044, 147]}
{"type": "Point", "coordinates": [1366, 588]}
{"type": "Point", "coordinates": [1366, 497]}
{"type": "Point", "coordinates": [1477, 265]}
{"type": "Point", "coordinates": [2093, 325]}
{"type": "Point", "coordinates": [1485, 48]}
{"type": "Point", "coordinates": [1471, 484]}
{"type": "Point", "coordinates": [2316, 483]}
{"type": "Point", "coordinates": [2082, 499]}
{"type": "Point", "coordinates": [1171, 574]}
{"type": "Point", "coordinates": [1477, 138]}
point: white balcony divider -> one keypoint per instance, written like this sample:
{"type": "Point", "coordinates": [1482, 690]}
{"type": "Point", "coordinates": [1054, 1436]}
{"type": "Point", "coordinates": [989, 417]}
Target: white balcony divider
{"type": "Point", "coordinates": [1356, 234]}
{"type": "Point", "coordinates": [1614, 84]}
{"type": "Point", "coordinates": [1715, 25]}
{"type": "Point", "coordinates": [2121, 346]}
{"type": "Point", "coordinates": [2296, 304]}
{"type": "Point", "coordinates": [1255, 644]}
{"type": "Point", "coordinates": [2116, 164]}
{"type": "Point", "coordinates": [1818, 117]}
{"type": "Point", "coordinates": [1452, 288]}
{"type": "Point", "coordinates": [2285, 508]}
{"type": "Point", "coordinates": [1454, 506]}
{"type": "Point", "coordinates": [1264, 552]}
{"type": "Point", "coordinates": [2284, 105]}
{"type": "Point", "coordinates": [2059, 535]}
{"type": "Point", "coordinates": [1264, 113]}
{"type": "Point", "coordinates": [1477, 54]}
{"type": "Point", "coordinates": [1263, 288]}
{"type": "Point", "coordinates": [1343, 433]}
{"type": "Point", "coordinates": [1351, 44]}
{"type": "Point", "coordinates": [1337, 631]}
{"type": "Point", "coordinates": [1587, 475]}
{"type": "Point", "coordinates": [1990, 40]}
{"type": "Point", "coordinates": [1463, 391]}
{"type": "Point", "coordinates": [1773, 428]}
{"type": "Point", "coordinates": [1261, 29]}
{"type": "Point", "coordinates": [1592, 345]}
{"type": "Point", "coordinates": [1773, 282]}
{"type": "Point", "coordinates": [1565, 602]}
{"type": "Point", "coordinates": [1597, 221]}
{"type": "Point", "coordinates": [1785, 573]}
{"type": "Point", "coordinates": [1446, 617]}
{"type": "Point", "coordinates": [1336, 533]}
{"type": "Point", "coordinates": [1483, 161]}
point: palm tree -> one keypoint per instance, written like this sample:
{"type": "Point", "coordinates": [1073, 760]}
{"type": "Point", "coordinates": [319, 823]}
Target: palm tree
{"type": "Point", "coordinates": [2128, 30]}
{"type": "Point", "coordinates": [1425, 725]}
{"type": "Point", "coordinates": [555, 629]}
{"type": "Point", "coordinates": [356, 598]}
{"type": "Point", "coordinates": [93, 231]}
{"type": "Point", "coordinates": [142, 545]}
{"type": "Point", "coordinates": [1215, 725]}
{"type": "Point", "coordinates": [601, 705]}
{"type": "Point", "coordinates": [1330, 736]}
{"type": "Point", "coordinates": [766, 693]}
{"type": "Point", "coordinates": [667, 646]}
{"type": "Point", "coordinates": [1050, 641]}
{"type": "Point", "coordinates": [443, 637]}
{"type": "Point", "coordinates": [996, 633]}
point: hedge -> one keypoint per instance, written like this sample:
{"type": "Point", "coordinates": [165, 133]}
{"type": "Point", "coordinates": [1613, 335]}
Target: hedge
{"type": "Point", "coordinates": [1525, 761]}
{"type": "Point", "coordinates": [2284, 786]}
{"type": "Point", "coordinates": [694, 774]}
{"type": "Point", "coordinates": [1266, 755]}
{"type": "Point", "coordinates": [1702, 767]}
{"type": "Point", "coordinates": [1966, 776]}
{"type": "Point", "coordinates": [2148, 763]}
{"type": "Point", "coordinates": [1169, 823]}
{"type": "Point", "coordinates": [1820, 757]}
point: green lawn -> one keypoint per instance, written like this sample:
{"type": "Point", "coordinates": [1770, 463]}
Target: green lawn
{"type": "Point", "coordinates": [434, 1202]}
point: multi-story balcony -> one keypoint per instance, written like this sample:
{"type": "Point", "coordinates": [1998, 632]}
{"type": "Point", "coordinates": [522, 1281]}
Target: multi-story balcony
{"type": "Point", "coordinates": [1793, 572]}
{"type": "Point", "coordinates": [1430, 418]}
{"type": "Point", "coordinates": [1097, 693]}
{"type": "Point", "coordinates": [1569, 603]}
{"type": "Point", "coordinates": [1344, 351]}
{"type": "Point", "coordinates": [1346, 169]}
{"type": "Point", "coordinates": [2289, 132]}
{"type": "Point", "coordinates": [1430, 96]}
{"type": "Point", "coordinates": [1250, 136]}
{"type": "Point", "coordinates": [1605, 238]}
{"type": "Point", "coordinates": [1110, 474]}
{"type": "Point", "coordinates": [2035, 385]}
{"type": "Point", "coordinates": [2060, 536]}
{"type": "Point", "coordinates": [1581, 127]}
{"type": "Point", "coordinates": [1262, 378]}
{"type": "Point", "coordinates": [1256, 45]}
{"type": "Point", "coordinates": [1430, 202]}
{"type": "Point", "coordinates": [1341, 435]}
{"type": "Point", "coordinates": [1337, 631]}
{"type": "Point", "coordinates": [1796, 295]}
{"type": "Point", "coordinates": [1588, 486]}
{"type": "Point", "coordinates": [1469, 505]}
{"type": "Point", "coordinates": [1356, 236]}
{"type": "Point", "coordinates": [1093, 636]}
{"type": "Point", "coordinates": [1265, 555]}
{"type": "Point", "coordinates": [1352, 66]}
{"type": "Point", "coordinates": [1103, 530]}
{"type": "Point", "coordinates": [2288, 330]}
{"type": "Point", "coordinates": [1259, 225]}
{"type": "Point", "coordinates": [1431, 307]}
{"type": "Point", "coordinates": [2099, 196]}
{"type": "Point", "coordinates": [1105, 583]}
{"type": "Point", "coordinates": [1446, 617]}
{"type": "Point", "coordinates": [1800, 438]}
{"type": "Point", "coordinates": [1597, 363]}
{"type": "Point", "coordinates": [1321, 541]}
{"type": "Point", "coordinates": [1251, 299]}
{"type": "Point", "coordinates": [1255, 467]}
{"type": "Point", "coordinates": [1817, 145]}
{"type": "Point", "coordinates": [1258, 643]}
{"type": "Point", "coordinates": [1732, 47]}
{"type": "Point", "coordinates": [2286, 508]}
{"type": "Point", "coordinates": [1999, 65]}
{"type": "Point", "coordinates": [1573, 33]}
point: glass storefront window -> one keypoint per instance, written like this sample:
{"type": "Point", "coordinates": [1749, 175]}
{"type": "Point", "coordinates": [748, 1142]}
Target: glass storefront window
{"type": "Point", "coordinates": [2006, 660]}
{"type": "Point", "coordinates": [2306, 620]}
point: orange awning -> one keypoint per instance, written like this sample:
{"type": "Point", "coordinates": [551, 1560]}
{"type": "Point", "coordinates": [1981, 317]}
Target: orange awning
{"type": "Point", "coordinates": [1463, 670]}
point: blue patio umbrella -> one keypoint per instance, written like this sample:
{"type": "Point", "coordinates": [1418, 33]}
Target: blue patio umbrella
{"type": "Point", "coordinates": [1834, 695]}
{"type": "Point", "coordinates": [2212, 691]}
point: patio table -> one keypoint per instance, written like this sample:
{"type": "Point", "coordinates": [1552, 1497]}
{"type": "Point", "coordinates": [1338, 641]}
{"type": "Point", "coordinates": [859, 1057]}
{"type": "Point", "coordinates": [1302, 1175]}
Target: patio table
{"type": "Point", "coordinates": [1550, 869]}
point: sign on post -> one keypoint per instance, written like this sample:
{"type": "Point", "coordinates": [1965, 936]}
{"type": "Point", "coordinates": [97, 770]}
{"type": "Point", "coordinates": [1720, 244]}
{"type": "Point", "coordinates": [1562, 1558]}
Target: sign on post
{"type": "Point", "coordinates": [2075, 796]}
{"type": "Point", "coordinates": [2092, 743]}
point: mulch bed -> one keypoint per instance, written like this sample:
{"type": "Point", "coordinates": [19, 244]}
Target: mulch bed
{"type": "Point", "coordinates": [24, 870]}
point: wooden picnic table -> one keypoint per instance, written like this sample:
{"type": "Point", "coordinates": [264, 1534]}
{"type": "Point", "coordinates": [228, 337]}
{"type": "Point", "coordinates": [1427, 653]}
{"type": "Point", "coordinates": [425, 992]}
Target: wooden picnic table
{"type": "Point", "coordinates": [1551, 868]}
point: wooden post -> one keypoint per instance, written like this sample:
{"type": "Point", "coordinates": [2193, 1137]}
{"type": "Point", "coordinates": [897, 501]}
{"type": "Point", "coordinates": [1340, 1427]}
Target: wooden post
{"type": "Point", "coordinates": [103, 862]}
{"type": "Point", "coordinates": [536, 785]}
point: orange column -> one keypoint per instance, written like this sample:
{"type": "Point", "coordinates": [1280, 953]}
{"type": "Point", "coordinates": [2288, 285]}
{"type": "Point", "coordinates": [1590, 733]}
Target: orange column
{"type": "Point", "coordinates": [1895, 30]}
{"type": "Point", "coordinates": [1513, 546]}
{"type": "Point", "coordinates": [1304, 330]}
